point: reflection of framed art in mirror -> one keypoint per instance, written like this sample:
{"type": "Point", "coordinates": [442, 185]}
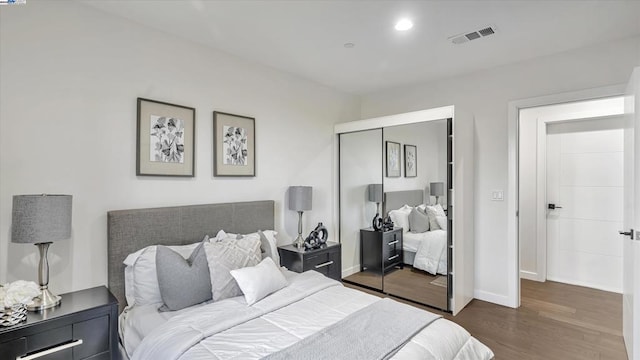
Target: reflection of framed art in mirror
{"type": "Point", "coordinates": [410, 161]}
{"type": "Point", "coordinates": [393, 159]}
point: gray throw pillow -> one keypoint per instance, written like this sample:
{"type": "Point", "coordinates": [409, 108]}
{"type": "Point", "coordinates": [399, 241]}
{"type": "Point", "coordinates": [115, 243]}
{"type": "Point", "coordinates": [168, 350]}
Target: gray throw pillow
{"type": "Point", "coordinates": [265, 246]}
{"type": "Point", "coordinates": [418, 221]}
{"type": "Point", "coordinates": [183, 282]}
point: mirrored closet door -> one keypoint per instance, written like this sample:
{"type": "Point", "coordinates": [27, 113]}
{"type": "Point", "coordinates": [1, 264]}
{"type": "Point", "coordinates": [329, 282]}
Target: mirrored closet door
{"type": "Point", "coordinates": [405, 169]}
{"type": "Point", "coordinates": [360, 182]}
{"type": "Point", "coordinates": [419, 218]}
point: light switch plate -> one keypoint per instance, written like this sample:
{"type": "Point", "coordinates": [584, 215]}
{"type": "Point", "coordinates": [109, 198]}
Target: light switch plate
{"type": "Point", "coordinates": [497, 195]}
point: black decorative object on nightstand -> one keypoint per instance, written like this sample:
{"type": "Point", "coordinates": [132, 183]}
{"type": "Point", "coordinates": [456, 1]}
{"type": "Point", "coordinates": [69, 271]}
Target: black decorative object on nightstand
{"type": "Point", "coordinates": [326, 259]}
{"type": "Point", "coordinates": [380, 251]}
{"type": "Point", "coordinates": [84, 326]}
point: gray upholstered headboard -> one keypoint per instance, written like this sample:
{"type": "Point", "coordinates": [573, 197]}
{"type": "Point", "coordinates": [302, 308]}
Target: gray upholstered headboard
{"type": "Point", "coordinates": [132, 230]}
{"type": "Point", "coordinates": [396, 199]}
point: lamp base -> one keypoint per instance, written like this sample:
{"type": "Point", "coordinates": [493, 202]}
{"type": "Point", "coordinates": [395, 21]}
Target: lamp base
{"type": "Point", "coordinates": [299, 242]}
{"type": "Point", "coordinates": [44, 301]}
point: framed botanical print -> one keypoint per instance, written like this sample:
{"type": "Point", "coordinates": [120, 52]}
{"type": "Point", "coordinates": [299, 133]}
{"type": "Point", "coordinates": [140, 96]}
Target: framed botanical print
{"type": "Point", "coordinates": [165, 139]}
{"type": "Point", "coordinates": [410, 161]}
{"type": "Point", "coordinates": [234, 145]}
{"type": "Point", "coordinates": [393, 158]}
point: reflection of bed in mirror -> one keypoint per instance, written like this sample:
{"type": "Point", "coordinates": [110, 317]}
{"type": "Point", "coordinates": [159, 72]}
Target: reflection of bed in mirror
{"type": "Point", "coordinates": [424, 250]}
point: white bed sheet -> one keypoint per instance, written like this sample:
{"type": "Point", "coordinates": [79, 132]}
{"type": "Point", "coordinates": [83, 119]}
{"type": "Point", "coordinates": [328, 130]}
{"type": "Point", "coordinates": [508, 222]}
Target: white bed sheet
{"type": "Point", "coordinates": [321, 303]}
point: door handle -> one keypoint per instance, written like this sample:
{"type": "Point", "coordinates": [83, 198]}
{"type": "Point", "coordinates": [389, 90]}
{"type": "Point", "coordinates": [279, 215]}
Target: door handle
{"type": "Point", "coordinates": [553, 207]}
{"type": "Point", "coordinates": [627, 233]}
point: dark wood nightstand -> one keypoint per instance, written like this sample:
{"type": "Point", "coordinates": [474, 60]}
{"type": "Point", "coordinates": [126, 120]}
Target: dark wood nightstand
{"type": "Point", "coordinates": [326, 260]}
{"type": "Point", "coordinates": [380, 251]}
{"type": "Point", "coordinates": [84, 326]}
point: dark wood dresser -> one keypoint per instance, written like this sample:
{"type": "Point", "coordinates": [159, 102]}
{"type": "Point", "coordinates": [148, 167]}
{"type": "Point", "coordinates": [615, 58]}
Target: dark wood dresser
{"type": "Point", "coordinates": [84, 326]}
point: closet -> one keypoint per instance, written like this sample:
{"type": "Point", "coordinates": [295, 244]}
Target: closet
{"type": "Point", "coordinates": [417, 169]}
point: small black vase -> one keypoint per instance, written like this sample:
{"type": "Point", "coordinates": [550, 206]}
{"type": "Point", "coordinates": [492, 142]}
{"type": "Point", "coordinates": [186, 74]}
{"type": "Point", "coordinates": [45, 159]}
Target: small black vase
{"type": "Point", "coordinates": [377, 222]}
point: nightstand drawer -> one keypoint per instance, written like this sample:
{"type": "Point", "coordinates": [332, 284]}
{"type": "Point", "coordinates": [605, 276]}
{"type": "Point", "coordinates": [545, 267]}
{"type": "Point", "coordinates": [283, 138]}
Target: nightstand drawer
{"type": "Point", "coordinates": [317, 262]}
{"type": "Point", "coordinates": [50, 339]}
{"type": "Point", "coordinates": [95, 337]}
{"type": "Point", "coordinates": [13, 348]}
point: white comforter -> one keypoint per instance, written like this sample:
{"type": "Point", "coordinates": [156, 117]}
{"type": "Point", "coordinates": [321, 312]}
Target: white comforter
{"type": "Point", "coordinates": [430, 248]}
{"type": "Point", "coordinates": [230, 329]}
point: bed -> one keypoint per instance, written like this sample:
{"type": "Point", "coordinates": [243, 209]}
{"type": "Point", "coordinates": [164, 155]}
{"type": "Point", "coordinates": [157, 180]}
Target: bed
{"type": "Point", "coordinates": [423, 250]}
{"type": "Point", "coordinates": [309, 312]}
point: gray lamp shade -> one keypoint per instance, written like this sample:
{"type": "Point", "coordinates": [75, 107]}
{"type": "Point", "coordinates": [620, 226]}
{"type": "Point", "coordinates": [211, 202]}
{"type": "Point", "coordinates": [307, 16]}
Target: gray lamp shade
{"type": "Point", "coordinates": [436, 188]}
{"type": "Point", "coordinates": [41, 218]}
{"type": "Point", "coordinates": [375, 193]}
{"type": "Point", "coordinates": [300, 198]}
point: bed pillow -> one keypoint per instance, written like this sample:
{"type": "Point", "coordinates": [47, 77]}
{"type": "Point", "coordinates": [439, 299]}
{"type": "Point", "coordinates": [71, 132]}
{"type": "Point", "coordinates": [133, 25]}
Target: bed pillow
{"type": "Point", "coordinates": [226, 255]}
{"type": "Point", "coordinates": [256, 282]}
{"type": "Point", "coordinates": [442, 222]}
{"type": "Point", "coordinates": [434, 211]}
{"type": "Point", "coordinates": [268, 242]}
{"type": "Point", "coordinates": [418, 221]}
{"type": "Point", "coordinates": [141, 280]}
{"type": "Point", "coordinates": [400, 217]}
{"type": "Point", "coordinates": [182, 282]}
{"type": "Point", "coordinates": [269, 246]}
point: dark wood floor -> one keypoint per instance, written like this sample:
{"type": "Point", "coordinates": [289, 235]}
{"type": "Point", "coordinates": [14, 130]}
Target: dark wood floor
{"type": "Point", "coordinates": [408, 283]}
{"type": "Point", "coordinates": [554, 321]}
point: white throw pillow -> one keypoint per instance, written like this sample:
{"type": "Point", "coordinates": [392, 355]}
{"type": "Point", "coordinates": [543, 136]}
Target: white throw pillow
{"type": "Point", "coordinates": [400, 217]}
{"type": "Point", "coordinates": [433, 212]}
{"type": "Point", "coordinates": [258, 281]}
{"type": "Point", "coordinates": [442, 222]}
{"type": "Point", "coordinates": [141, 281]}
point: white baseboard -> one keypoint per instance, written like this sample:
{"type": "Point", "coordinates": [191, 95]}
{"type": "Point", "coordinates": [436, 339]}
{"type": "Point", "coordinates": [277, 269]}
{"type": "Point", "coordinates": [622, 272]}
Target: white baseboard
{"type": "Point", "coordinates": [586, 284]}
{"type": "Point", "coordinates": [530, 275]}
{"type": "Point", "coordinates": [494, 298]}
{"type": "Point", "coordinates": [350, 271]}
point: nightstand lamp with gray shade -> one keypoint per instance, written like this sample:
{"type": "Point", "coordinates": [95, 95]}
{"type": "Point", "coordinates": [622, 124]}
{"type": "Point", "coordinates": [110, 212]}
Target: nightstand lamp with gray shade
{"type": "Point", "coordinates": [300, 200]}
{"type": "Point", "coordinates": [436, 189]}
{"type": "Point", "coordinates": [40, 220]}
{"type": "Point", "coordinates": [375, 195]}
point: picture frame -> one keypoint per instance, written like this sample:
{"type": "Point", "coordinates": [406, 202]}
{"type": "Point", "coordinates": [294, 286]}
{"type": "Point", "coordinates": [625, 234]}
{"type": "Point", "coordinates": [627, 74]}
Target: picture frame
{"type": "Point", "coordinates": [410, 161]}
{"type": "Point", "coordinates": [165, 139]}
{"type": "Point", "coordinates": [393, 158]}
{"type": "Point", "coordinates": [234, 145]}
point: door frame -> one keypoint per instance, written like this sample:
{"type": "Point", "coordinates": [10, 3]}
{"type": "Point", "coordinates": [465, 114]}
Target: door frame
{"type": "Point", "coordinates": [512, 196]}
{"type": "Point", "coordinates": [541, 174]}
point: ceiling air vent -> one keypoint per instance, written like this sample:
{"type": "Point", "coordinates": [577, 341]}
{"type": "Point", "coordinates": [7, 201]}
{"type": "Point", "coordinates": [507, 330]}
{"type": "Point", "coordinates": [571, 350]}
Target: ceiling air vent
{"type": "Point", "coordinates": [473, 35]}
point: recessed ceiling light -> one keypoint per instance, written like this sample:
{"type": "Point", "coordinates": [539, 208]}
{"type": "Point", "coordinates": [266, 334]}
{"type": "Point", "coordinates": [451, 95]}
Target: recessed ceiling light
{"type": "Point", "coordinates": [404, 25]}
{"type": "Point", "coordinates": [349, 45]}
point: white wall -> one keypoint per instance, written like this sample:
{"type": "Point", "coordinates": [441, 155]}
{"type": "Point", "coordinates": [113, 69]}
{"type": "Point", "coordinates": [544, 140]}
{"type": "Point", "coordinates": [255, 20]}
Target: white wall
{"type": "Point", "coordinates": [70, 76]}
{"type": "Point", "coordinates": [486, 95]}
{"type": "Point", "coordinates": [430, 138]}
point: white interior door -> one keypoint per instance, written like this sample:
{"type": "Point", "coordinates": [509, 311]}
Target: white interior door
{"type": "Point", "coordinates": [585, 184]}
{"type": "Point", "coordinates": [631, 281]}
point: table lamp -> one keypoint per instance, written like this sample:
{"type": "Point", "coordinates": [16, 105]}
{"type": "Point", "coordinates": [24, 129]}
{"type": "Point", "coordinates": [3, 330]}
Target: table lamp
{"type": "Point", "coordinates": [41, 220]}
{"type": "Point", "coordinates": [300, 201]}
{"type": "Point", "coordinates": [437, 189]}
{"type": "Point", "coordinates": [375, 195]}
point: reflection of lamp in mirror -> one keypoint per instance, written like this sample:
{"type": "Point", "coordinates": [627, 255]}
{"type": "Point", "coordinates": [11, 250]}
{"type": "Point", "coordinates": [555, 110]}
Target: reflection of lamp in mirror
{"type": "Point", "coordinates": [375, 195]}
{"type": "Point", "coordinates": [437, 189]}
{"type": "Point", "coordinates": [300, 201]}
{"type": "Point", "coordinates": [40, 220]}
